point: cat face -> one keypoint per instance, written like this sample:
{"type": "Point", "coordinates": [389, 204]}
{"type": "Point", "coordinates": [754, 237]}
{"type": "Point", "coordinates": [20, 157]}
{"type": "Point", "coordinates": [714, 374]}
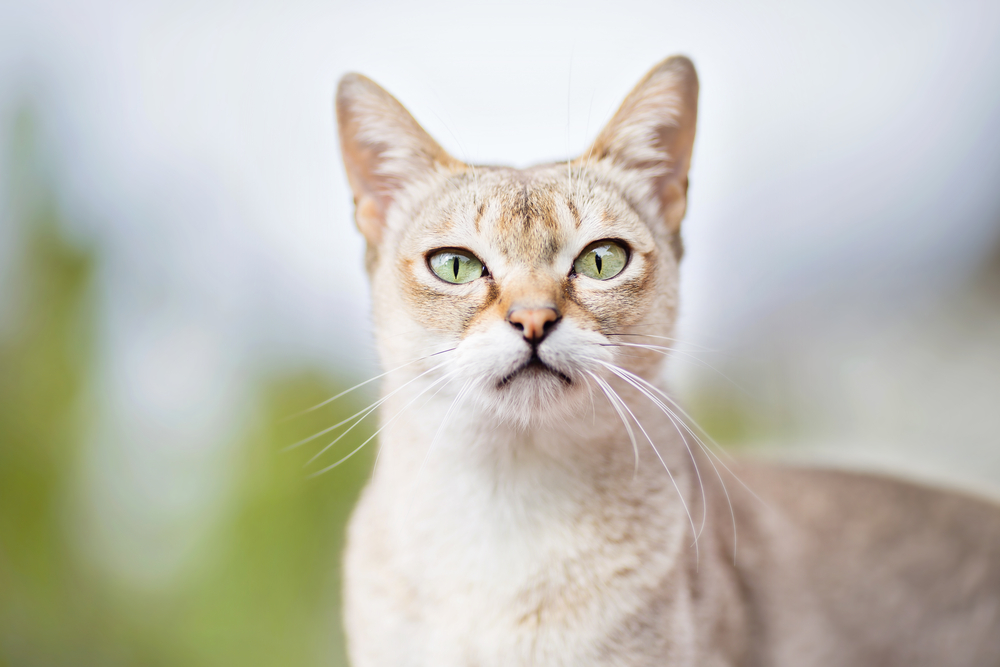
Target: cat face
{"type": "Point", "coordinates": [533, 278]}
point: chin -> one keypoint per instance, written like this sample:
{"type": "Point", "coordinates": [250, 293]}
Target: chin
{"type": "Point", "coordinates": [533, 397]}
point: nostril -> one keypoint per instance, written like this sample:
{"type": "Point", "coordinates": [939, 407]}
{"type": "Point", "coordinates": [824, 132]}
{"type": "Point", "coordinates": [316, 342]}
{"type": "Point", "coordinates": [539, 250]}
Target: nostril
{"type": "Point", "coordinates": [533, 323]}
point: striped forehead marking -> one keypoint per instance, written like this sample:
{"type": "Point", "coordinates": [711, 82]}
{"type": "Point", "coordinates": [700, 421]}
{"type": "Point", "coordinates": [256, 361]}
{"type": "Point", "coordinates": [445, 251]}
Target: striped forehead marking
{"type": "Point", "coordinates": [527, 221]}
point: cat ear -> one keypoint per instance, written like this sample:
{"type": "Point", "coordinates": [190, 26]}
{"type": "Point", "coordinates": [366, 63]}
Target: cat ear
{"type": "Point", "coordinates": [652, 135]}
{"type": "Point", "coordinates": [384, 150]}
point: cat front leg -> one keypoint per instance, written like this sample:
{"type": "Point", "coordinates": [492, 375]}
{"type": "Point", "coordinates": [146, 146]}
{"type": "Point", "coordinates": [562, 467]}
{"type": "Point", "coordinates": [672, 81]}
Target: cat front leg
{"type": "Point", "coordinates": [380, 609]}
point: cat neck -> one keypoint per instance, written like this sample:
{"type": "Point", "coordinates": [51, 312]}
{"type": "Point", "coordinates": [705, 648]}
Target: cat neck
{"type": "Point", "coordinates": [446, 444]}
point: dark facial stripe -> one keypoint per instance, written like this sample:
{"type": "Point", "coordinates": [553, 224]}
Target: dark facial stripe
{"type": "Point", "coordinates": [479, 214]}
{"type": "Point", "coordinates": [574, 212]}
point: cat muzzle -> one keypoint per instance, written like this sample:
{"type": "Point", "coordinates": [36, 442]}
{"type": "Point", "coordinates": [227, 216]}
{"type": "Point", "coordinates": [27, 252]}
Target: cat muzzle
{"type": "Point", "coordinates": [533, 364]}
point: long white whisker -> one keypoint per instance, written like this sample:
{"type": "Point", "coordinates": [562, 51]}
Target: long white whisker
{"type": "Point", "coordinates": [674, 340]}
{"type": "Point", "coordinates": [359, 385]}
{"type": "Point", "coordinates": [624, 375]}
{"type": "Point", "coordinates": [378, 454]}
{"type": "Point", "coordinates": [608, 393]}
{"type": "Point", "coordinates": [367, 411]}
{"type": "Point", "coordinates": [370, 410]}
{"type": "Point", "coordinates": [711, 440]}
{"type": "Point", "coordinates": [590, 394]}
{"type": "Point", "coordinates": [711, 454]}
{"type": "Point", "coordinates": [666, 350]}
{"type": "Point", "coordinates": [382, 428]}
{"type": "Point", "coordinates": [687, 417]}
{"type": "Point", "coordinates": [458, 399]}
{"type": "Point", "coordinates": [694, 530]}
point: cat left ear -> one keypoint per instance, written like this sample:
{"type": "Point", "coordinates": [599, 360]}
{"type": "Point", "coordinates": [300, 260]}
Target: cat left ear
{"type": "Point", "coordinates": [652, 135]}
{"type": "Point", "coordinates": [384, 150]}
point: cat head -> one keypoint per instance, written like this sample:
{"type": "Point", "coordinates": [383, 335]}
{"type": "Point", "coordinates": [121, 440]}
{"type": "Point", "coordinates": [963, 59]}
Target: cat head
{"type": "Point", "coordinates": [532, 280]}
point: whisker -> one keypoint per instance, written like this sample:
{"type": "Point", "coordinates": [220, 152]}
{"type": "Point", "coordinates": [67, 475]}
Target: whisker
{"type": "Point", "coordinates": [675, 340]}
{"type": "Point", "coordinates": [364, 413]}
{"type": "Point", "coordinates": [361, 384]}
{"type": "Point", "coordinates": [608, 393]}
{"type": "Point", "coordinates": [458, 399]}
{"type": "Point", "coordinates": [417, 331]}
{"type": "Point", "coordinates": [657, 323]}
{"type": "Point", "coordinates": [370, 410]}
{"type": "Point", "coordinates": [710, 439]}
{"type": "Point", "coordinates": [372, 436]}
{"type": "Point", "coordinates": [694, 531]}
{"type": "Point", "coordinates": [663, 349]}
{"type": "Point", "coordinates": [711, 454]}
{"type": "Point", "coordinates": [590, 394]}
{"type": "Point", "coordinates": [677, 406]}
{"type": "Point", "coordinates": [428, 400]}
{"type": "Point", "coordinates": [367, 411]}
{"type": "Point", "coordinates": [624, 375]}
{"type": "Point", "coordinates": [666, 350]}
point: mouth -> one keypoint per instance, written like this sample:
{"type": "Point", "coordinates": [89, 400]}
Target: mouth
{"type": "Point", "coordinates": [533, 365]}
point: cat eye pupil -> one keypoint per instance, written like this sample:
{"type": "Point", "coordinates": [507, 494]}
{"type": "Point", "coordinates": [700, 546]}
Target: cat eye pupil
{"type": "Point", "coordinates": [456, 266]}
{"type": "Point", "coordinates": [601, 260]}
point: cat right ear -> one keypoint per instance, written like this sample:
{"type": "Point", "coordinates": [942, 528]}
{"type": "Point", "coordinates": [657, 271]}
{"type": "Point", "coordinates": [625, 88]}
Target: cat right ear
{"type": "Point", "coordinates": [651, 138]}
{"type": "Point", "coordinates": [384, 150]}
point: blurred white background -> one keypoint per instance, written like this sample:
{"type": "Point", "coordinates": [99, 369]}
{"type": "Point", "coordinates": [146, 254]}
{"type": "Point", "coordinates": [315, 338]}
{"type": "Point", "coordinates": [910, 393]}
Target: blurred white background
{"type": "Point", "coordinates": [845, 206]}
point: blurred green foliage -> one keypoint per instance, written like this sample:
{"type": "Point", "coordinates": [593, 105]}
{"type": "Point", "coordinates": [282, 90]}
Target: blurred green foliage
{"type": "Point", "coordinates": [263, 589]}
{"type": "Point", "coordinates": [730, 416]}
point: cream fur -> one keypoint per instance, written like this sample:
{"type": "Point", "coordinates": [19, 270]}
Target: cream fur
{"type": "Point", "coordinates": [516, 522]}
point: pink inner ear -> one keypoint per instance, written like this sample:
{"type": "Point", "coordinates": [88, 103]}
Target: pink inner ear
{"type": "Point", "coordinates": [652, 133]}
{"type": "Point", "coordinates": [369, 219]}
{"type": "Point", "coordinates": [383, 148]}
{"type": "Point", "coordinates": [361, 161]}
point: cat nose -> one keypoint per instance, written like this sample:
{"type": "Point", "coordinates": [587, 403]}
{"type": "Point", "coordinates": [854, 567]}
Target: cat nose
{"type": "Point", "coordinates": [534, 323]}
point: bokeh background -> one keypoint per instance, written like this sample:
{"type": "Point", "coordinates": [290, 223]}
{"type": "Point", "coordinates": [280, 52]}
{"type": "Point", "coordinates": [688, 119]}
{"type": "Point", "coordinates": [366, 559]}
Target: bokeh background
{"type": "Point", "coordinates": [179, 272]}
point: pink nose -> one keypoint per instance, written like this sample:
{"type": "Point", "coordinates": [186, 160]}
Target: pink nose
{"type": "Point", "coordinates": [534, 323]}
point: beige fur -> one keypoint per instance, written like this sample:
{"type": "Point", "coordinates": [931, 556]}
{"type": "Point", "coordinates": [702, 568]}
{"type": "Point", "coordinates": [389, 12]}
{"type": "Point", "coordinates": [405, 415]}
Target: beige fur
{"type": "Point", "coordinates": [557, 514]}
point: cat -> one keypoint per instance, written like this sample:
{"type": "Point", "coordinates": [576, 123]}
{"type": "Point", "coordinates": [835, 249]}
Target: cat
{"type": "Point", "coordinates": [538, 497]}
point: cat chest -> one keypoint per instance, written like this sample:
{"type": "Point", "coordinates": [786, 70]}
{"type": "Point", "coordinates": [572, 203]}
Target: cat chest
{"type": "Point", "coordinates": [549, 593]}
{"type": "Point", "coordinates": [557, 611]}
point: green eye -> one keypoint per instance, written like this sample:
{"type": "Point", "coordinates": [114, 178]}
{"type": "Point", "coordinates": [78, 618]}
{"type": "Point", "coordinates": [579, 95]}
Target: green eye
{"type": "Point", "coordinates": [455, 266]}
{"type": "Point", "coordinates": [601, 260]}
